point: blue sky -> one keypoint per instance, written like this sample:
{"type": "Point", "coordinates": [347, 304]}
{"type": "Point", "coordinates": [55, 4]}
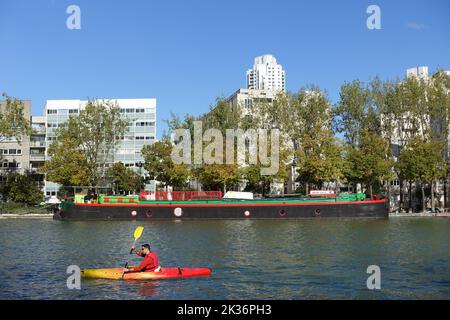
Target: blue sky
{"type": "Point", "coordinates": [187, 53]}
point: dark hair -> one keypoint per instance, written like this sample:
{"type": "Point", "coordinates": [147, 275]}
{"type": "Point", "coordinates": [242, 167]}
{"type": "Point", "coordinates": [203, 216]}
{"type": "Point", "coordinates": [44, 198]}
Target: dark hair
{"type": "Point", "coordinates": [146, 246]}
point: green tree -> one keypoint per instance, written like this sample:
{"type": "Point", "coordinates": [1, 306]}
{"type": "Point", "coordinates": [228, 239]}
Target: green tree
{"type": "Point", "coordinates": [421, 161]}
{"type": "Point", "coordinates": [21, 188]}
{"type": "Point", "coordinates": [218, 176]}
{"type": "Point", "coordinates": [159, 165]}
{"type": "Point", "coordinates": [68, 165]}
{"type": "Point", "coordinates": [370, 162]}
{"type": "Point", "coordinates": [355, 111]}
{"type": "Point", "coordinates": [13, 123]}
{"type": "Point", "coordinates": [125, 180]}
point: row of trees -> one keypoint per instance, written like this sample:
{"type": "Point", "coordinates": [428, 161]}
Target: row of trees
{"type": "Point", "coordinates": [376, 132]}
{"type": "Point", "coordinates": [329, 145]}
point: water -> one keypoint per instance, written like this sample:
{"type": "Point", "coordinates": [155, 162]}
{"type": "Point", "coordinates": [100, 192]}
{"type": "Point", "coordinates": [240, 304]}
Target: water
{"type": "Point", "coordinates": [281, 259]}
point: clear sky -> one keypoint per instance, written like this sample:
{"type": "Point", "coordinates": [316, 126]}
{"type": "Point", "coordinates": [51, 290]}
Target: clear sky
{"type": "Point", "coordinates": [186, 53]}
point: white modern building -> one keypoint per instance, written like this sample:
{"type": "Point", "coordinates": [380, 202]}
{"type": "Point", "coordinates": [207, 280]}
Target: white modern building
{"type": "Point", "coordinates": [266, 74]}
{"type": "Point", "coordinates": [141, 116]}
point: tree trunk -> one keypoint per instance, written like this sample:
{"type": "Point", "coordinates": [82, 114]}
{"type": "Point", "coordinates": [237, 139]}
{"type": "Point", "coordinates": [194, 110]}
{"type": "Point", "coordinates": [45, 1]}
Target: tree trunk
{"type": "Point", "coordinates": [423, 198]}
{"type": "Point", "coordinates": [307, 188]}
{"type": "Point", "coordinates": [402, 198]}
{"type": "Point", "coordinates": [370, 191]}
{"type": "Point", "coordinates": [445, 194]}
{"type": "Point", "coordinates": [432, 196]}
{"type": "Point", "coordinates": [410, 197]}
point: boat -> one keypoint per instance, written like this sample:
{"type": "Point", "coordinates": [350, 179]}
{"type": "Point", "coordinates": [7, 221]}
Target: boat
{"type": "Point", "coordinates": [164, 273]}
{"type": "Point", "coordinates": [164, 205]}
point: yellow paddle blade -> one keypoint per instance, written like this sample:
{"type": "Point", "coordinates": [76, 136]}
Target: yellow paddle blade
{"type": "Point", "coordinates": [138, 232]}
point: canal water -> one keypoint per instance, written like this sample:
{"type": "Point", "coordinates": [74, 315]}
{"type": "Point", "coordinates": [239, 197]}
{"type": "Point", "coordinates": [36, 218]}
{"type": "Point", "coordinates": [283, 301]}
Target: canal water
{"type": "Point", "coordinates": [270, 259]}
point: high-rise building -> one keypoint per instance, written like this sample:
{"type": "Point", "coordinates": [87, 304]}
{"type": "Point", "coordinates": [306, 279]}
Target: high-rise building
{"type": "Point", "coordinates": [266, 74]}
{"type": "Point", "coordinates": [419, 72]}
{"type": "Point", "coordinates": [141, 116]}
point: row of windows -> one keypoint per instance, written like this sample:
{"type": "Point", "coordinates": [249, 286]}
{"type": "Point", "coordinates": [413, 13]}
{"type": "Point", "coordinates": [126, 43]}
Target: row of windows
{"type": "Point", "coordinates": [62, 111]}
{"type": "Point", "coordinates": [7, 164]}
{"type": "Point", "coordinates": [122, 110]}
{"type": "Point", "coordinates": [11, 152]}
{"type": "Point", "coordinates": [137, 124]}
{"type": "Point", "coordinates": [145, 124]}
{"type": "Point", "coordinates": [139, 110]}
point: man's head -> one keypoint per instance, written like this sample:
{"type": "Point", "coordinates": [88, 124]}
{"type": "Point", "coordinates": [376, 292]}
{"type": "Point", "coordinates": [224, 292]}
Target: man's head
{"type": "Point", "coordinates": [145, 248]}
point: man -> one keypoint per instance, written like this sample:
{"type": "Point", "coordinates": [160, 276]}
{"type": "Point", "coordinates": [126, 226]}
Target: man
{"type": "Point", "coordinates": [150, 262]}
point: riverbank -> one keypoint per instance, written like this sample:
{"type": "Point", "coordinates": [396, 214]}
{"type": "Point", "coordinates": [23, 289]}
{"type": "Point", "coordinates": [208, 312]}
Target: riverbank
{"type": "Point", "coordinates": [408, 214]}
{"type": "Point", "coordinates": [14, 210]}
{"type": "Point", "coordinates": [26, 216]}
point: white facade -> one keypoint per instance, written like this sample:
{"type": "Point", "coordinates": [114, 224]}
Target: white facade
{"type": "Point", "coordinates": [141, 114]}
{"type": "Point", "coordinates": [420, 72]}
{"type": "Point", "coordinates": [266, 74]}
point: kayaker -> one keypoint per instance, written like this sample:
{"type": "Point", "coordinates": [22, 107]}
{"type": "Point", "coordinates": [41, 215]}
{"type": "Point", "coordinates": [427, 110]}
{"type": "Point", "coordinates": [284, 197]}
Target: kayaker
{"type": "Point", "coordinates": [150, 262]}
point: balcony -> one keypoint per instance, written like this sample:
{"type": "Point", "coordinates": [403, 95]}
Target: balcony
{"type": "Point", "coordinates": [38, 130]}
{"type": "Point", "coordinates": [37, 144]}
{"type": "Point", "coordinates": [37, 157]}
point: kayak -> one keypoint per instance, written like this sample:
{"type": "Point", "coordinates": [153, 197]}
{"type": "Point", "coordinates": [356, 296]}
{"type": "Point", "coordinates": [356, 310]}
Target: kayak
{"type": "Point", "coordinates": [164, 273]}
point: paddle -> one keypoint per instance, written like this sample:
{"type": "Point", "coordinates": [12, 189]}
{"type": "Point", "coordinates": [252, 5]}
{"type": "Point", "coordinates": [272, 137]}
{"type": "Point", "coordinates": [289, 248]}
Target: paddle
{"type": "Point", "coordinates": [137, 235]}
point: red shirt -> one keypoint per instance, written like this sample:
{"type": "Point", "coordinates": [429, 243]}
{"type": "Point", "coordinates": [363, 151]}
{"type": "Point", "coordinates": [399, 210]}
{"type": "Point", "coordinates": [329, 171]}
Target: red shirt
{"type": "Point", "coordinates": [150, 262]}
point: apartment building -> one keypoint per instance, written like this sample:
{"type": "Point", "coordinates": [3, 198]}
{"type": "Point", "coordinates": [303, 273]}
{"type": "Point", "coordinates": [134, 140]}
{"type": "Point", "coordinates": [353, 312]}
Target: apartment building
{"type": "Point", "coordinates": [141, 117]}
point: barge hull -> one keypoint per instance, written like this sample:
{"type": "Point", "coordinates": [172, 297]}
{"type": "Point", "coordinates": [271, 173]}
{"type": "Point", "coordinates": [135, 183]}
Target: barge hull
{"type": "Point", "coordinates": [171, 211]}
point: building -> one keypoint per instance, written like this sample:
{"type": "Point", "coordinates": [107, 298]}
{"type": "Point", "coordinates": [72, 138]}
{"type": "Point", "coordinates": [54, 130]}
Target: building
{"type": "Point", "coordinates": [246, 98]}
{"type": "Point", "coordinates": [266, 74]}
{"type": "Point", "coordinates": [14, 154]}
{"type": "Point", "coordinates": [420, 72]}
{"type": "Point", "coordinates": [399, 139]}
{"type": "Point", "coordinates": [141, 114]}
{"type": "Point", "coordinates": [37, 148]}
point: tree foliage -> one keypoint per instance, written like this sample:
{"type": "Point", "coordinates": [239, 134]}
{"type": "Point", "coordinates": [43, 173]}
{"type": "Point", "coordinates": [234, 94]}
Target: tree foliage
{"type": "Point", "coordinates": [125, 180]}
{"type": "Point", "coordinates": [159, 165]}
{"type": "Point", "coordinates": [13, 123]}
{"type": "Point", "coordinates": [21, 188]}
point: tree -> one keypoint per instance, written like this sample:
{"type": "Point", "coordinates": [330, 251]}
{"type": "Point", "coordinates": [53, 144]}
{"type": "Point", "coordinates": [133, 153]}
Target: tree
{"type": "Point", "coordinates": [355, 112]}
{"type": "Point", "coordinates": [68, 166]}
{"type": "Point", "coordinates": [125, 180]}
{"type": "Point", "coordinates": [370, 162]}
{"type": "Point", "coordinates": [13, 123]}
{"type": "Point", "coordinates": [421, 161]}
{"type": "Point", "coordinates": [159, 165]}
{"type": "Point", "coordinates": [218, 176]}
{"type": "Point", "coordinates": [21, 188]}
{"type": "Point", "coordinates": [92, 136]}
{"type": "Point", "coordinates": [319, 160]}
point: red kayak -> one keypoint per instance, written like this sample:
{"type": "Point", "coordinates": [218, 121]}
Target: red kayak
{"type": "Point", "coordinates": [164, 273]}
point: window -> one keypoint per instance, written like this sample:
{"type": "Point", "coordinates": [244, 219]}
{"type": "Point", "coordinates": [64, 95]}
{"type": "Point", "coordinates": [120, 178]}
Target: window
{"type": "Point", "coordinates": [140, 110]}
{"type": "Point", "coordinates": [52, 111]}
{"type": "Point", "coordinates": [72, 111]}
{"type": "Point", "coordinates": [52, 125]}
{"type": "Point", "coordinates": [129, 110]}
{"type": "Point", "coordinates": [144, 124]}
